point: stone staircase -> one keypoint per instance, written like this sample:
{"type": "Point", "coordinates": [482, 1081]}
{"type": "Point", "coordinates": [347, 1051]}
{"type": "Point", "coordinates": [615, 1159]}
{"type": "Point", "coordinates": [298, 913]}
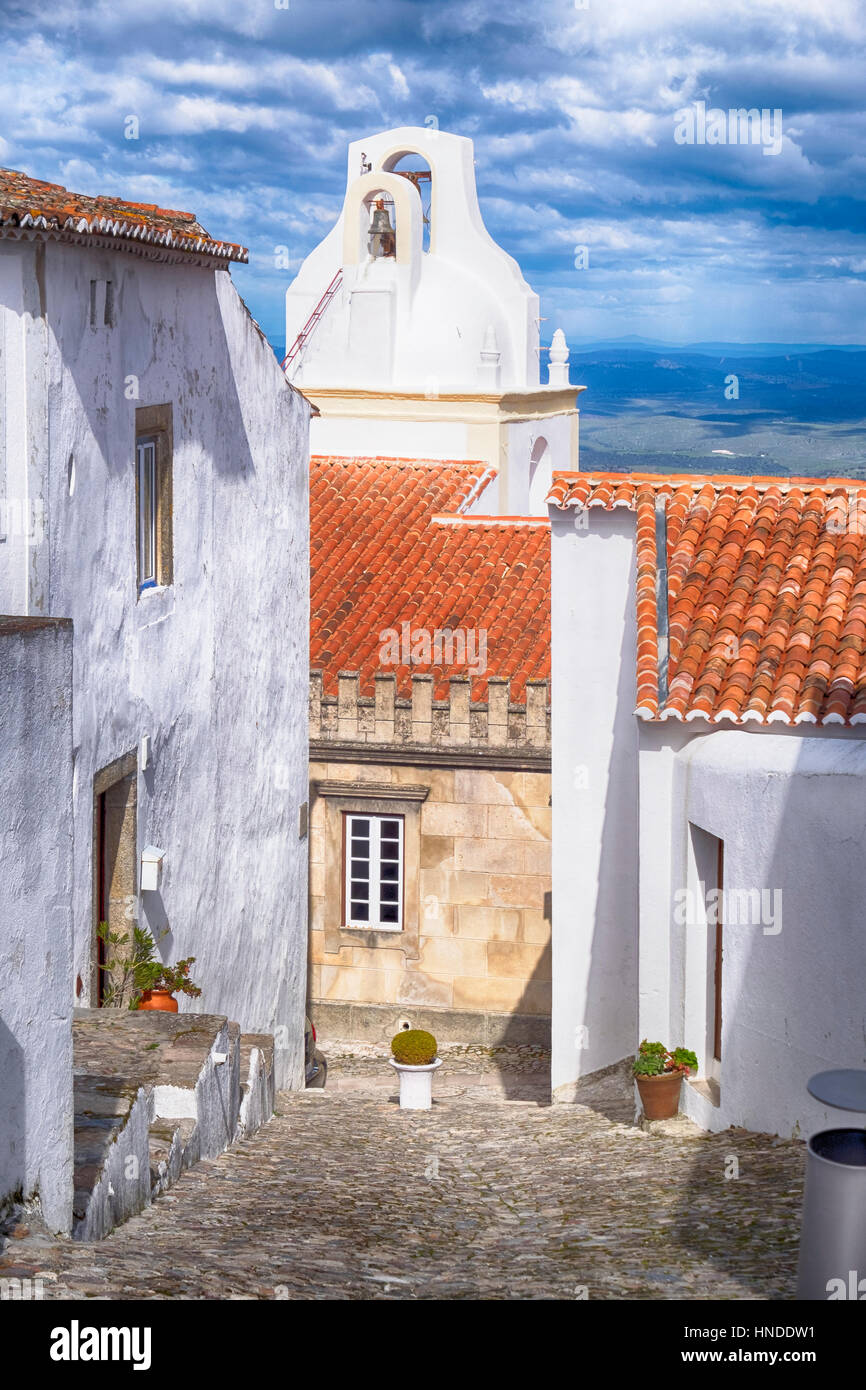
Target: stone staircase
{"type": "Point", "coordinates": [154, 1093]}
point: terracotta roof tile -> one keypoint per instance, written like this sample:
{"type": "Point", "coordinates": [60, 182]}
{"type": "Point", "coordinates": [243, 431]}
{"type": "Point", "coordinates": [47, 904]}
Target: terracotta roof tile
{"type": "Point", "coordinates": [766, 586]}
{"type": "Point", "coordinates": [389, 545]}
{"type": "Point", "coordinates": [29, 203]}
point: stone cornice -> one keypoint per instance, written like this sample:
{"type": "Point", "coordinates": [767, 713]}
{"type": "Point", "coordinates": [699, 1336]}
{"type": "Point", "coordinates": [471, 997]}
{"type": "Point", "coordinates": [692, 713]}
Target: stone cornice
{"type": "Point", "coordinates": [409, 755]}
{"type": "Point", "coordinates": [536, 404]}
{"type": "Point", "coordinates": [394, 791]}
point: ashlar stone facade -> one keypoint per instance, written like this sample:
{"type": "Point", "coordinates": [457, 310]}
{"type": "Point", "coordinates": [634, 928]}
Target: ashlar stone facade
{"type": "Point", "coordinates": [471, 784]}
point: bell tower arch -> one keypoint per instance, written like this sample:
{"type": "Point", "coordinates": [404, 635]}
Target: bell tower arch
{"type": "Point", "coordinates": [427, 353]}
{"type": "Point", "coordinates": [417, 169]}
{"type": "Point", "coordinates": [356, 216]}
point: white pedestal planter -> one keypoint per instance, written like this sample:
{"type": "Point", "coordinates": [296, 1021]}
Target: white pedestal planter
{"type": "Point", "coordinates": [416, 1084]}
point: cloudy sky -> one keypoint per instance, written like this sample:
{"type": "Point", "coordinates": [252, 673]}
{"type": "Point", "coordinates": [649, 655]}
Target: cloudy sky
{"type": "Point", "coordinates": [245, 108]}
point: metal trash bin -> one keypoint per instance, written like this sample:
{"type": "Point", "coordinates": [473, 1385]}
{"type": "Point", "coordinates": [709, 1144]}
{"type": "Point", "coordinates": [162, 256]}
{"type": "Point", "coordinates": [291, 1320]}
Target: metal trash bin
{"type": "Point", "coordinates": [833, 1233]}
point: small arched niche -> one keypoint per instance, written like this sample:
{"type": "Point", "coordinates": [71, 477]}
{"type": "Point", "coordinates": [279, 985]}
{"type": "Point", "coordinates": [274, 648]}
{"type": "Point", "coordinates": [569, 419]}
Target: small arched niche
{"type": "Point", "coordinates": [403, 210]}
{"type": "Point", "coordinates": [414, 167]}
{"type": "Point", "coordinates": [540, 476]}
{"type": "Point", "coordinates": [378, 226]}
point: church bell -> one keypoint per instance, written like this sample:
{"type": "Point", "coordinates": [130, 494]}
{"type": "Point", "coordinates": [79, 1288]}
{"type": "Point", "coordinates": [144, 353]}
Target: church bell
{"type": "Point", "coordinates": [382, 239]}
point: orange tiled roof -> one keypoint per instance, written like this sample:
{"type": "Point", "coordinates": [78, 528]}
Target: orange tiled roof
{"type": "Point", "coordinates": [389, 545]}
{"type": "Point", "coordinates": [766, 591]}
{"type": "Point", "coordinates": [29, 203]}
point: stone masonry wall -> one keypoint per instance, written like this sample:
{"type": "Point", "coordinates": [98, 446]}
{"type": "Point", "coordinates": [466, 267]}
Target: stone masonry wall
{"type": "Point", "coordinates": [456, 722]}
{"type": "Point", "coordinates": [473, 958]}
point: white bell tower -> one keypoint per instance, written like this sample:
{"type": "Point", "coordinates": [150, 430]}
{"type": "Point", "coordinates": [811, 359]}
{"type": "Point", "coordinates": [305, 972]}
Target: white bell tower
{"type": "Point", "coordinates": [415, 335]}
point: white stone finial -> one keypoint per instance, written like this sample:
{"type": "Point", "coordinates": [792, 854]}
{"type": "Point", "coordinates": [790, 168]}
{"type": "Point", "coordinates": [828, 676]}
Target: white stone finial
{"type": "Point", "coordinates": [558, 370]}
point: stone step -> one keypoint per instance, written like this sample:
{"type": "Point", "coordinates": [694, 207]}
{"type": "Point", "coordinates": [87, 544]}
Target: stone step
{"type": "Point", "coordinates": [257, 1082]}
{"type": "Point", "coordinates": [110, 1132]}
{"type": "Point", "coordinates": [154, 1093]}
{"type": "Point", "coordinates": [171, 1148]}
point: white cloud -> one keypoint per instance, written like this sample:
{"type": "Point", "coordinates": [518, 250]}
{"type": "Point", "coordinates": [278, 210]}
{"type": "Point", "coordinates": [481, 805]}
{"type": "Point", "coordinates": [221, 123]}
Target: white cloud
{"type": "Point", "coordinates": [246, 112]}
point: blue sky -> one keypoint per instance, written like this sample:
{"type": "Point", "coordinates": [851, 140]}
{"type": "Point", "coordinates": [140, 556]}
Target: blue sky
{"type": "Point", "coordinates": [245, 111]}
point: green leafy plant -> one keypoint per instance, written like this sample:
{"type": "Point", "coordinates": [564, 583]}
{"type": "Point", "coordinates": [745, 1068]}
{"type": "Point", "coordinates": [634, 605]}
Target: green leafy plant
{"type": "Point", "coordinates": [647, 1064]}
{"type": "Point", "coordinates": [129, 968]}
{"type": "Point", "coordinates": [654, 1059]}
{"type": "Point", "coordinates": [174, 978]}
{"type": "Point", "coordinates": [126, 965]}
{"type": "Point", "coordinates": [414, 1048]}
{"type": "Point", "coordinates": [684, 1058]}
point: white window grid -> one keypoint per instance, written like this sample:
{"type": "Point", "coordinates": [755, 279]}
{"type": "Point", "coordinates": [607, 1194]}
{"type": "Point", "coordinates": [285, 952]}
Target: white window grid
{"type": "Point", "coordinates": [146, 463]}
{"type": "Point", "coordinates": [374, 871]}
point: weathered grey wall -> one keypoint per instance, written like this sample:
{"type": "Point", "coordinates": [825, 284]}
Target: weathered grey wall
{"type": "Point", "coordinates": [35, 918]}
{"type": "Point", "coordinates": [214, 667]}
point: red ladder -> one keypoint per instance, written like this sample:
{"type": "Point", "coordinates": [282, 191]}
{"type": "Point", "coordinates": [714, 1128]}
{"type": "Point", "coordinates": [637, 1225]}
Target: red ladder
{"type": "Point", "coordinates": [309, 327]}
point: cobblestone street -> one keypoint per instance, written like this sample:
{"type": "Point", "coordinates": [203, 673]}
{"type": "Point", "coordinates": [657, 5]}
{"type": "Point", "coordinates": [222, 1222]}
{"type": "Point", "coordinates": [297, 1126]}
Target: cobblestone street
{"type": "Point", "coordinates": [492, 1194]}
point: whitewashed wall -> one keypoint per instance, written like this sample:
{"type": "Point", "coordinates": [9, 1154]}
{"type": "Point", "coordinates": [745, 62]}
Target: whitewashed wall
{"type": "Point", "coordinates": [792, 813]}
{"type": "Point", "coordinates": [531, 465]}
{"type": "Point", "coordinates": [791, 809]}
{"type": "Point", "coordinates": [595, 795]}
{"type": "Point", "coordinates": [35, 916]}
{"type": "Point", "coordinates": [370, 436]}
{"type": "Point", "coordinates": [214, 668]}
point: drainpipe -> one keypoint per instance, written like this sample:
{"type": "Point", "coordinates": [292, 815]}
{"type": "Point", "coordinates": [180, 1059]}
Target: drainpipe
{"type": "Point", "coordinates": [662, 597]}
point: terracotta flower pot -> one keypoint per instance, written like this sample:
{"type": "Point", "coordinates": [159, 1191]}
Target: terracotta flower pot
{"type": "Point", "coordinates": [158, 999]}
{"type": "Point", "coordinates": [660, 1095]}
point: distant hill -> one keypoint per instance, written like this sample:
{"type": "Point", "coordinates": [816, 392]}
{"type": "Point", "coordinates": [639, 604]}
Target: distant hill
{"type": "Point", "coordinates": [713, 349]}
{"type": "Point", "coordinates": [723, 408]}
{"type": "Point", "coordinates": [822, 386]}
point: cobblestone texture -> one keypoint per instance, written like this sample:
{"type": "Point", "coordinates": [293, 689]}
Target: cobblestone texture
{"type": "Point", "coordinates": [492, 1194]}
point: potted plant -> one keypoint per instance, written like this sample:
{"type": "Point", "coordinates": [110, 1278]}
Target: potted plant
{"type": "Point", "coordinates": [414, 1059]}
{"type": "Point", "coordinates": [126, 960]}
{"type": "Point", "coordinates": [659, 1075]}
{"type": "Point", "coordinates": [133, 979]}
{"type": "Point", "coordinates": [159, 983]}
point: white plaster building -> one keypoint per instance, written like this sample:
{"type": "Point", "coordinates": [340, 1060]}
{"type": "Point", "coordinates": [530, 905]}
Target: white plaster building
{"type": "Point", "coordinates": [423, 341]}
{"type": "Point", "coordinates": [153, 489]}
{"type": "Point", "coordinates": [708, 720]}
{"type": "Point", "coordinates": [36, 978]}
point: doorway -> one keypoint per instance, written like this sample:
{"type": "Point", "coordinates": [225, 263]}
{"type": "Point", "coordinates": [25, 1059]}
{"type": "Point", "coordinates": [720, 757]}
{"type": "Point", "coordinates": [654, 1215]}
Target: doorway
{"type": "Point", "coordinates": [115, 876]}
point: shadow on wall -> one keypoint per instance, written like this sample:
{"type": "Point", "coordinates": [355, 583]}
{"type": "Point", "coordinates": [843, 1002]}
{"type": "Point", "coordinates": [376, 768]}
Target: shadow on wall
{"type": "Point", "coordinates": [212, 811]}
{"type": "Point", "coordinates": [13, 1119]}
{"type": "Point", "coordinates": [608, 1033]}
{"type": "Point", "coordinates": [527, 1085]}
{"type": "Point", "coordinates": [792, 818]}
{"type": "Point", "coordinates": [171, 372]}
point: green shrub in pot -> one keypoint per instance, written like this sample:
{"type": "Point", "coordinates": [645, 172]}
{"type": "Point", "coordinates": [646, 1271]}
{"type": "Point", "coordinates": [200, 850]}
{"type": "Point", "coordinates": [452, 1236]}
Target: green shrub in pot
{"type": "Point", "coordinates": [414, 1048]}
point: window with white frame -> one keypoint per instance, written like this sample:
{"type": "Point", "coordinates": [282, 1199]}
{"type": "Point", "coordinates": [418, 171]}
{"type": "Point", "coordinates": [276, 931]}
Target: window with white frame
{"type": "Point", "coordinates": [153, 496]}
{"type": "Point", "coordinates": [147, 509]}
{"type": "Point", "coordinates": [374, 872]}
